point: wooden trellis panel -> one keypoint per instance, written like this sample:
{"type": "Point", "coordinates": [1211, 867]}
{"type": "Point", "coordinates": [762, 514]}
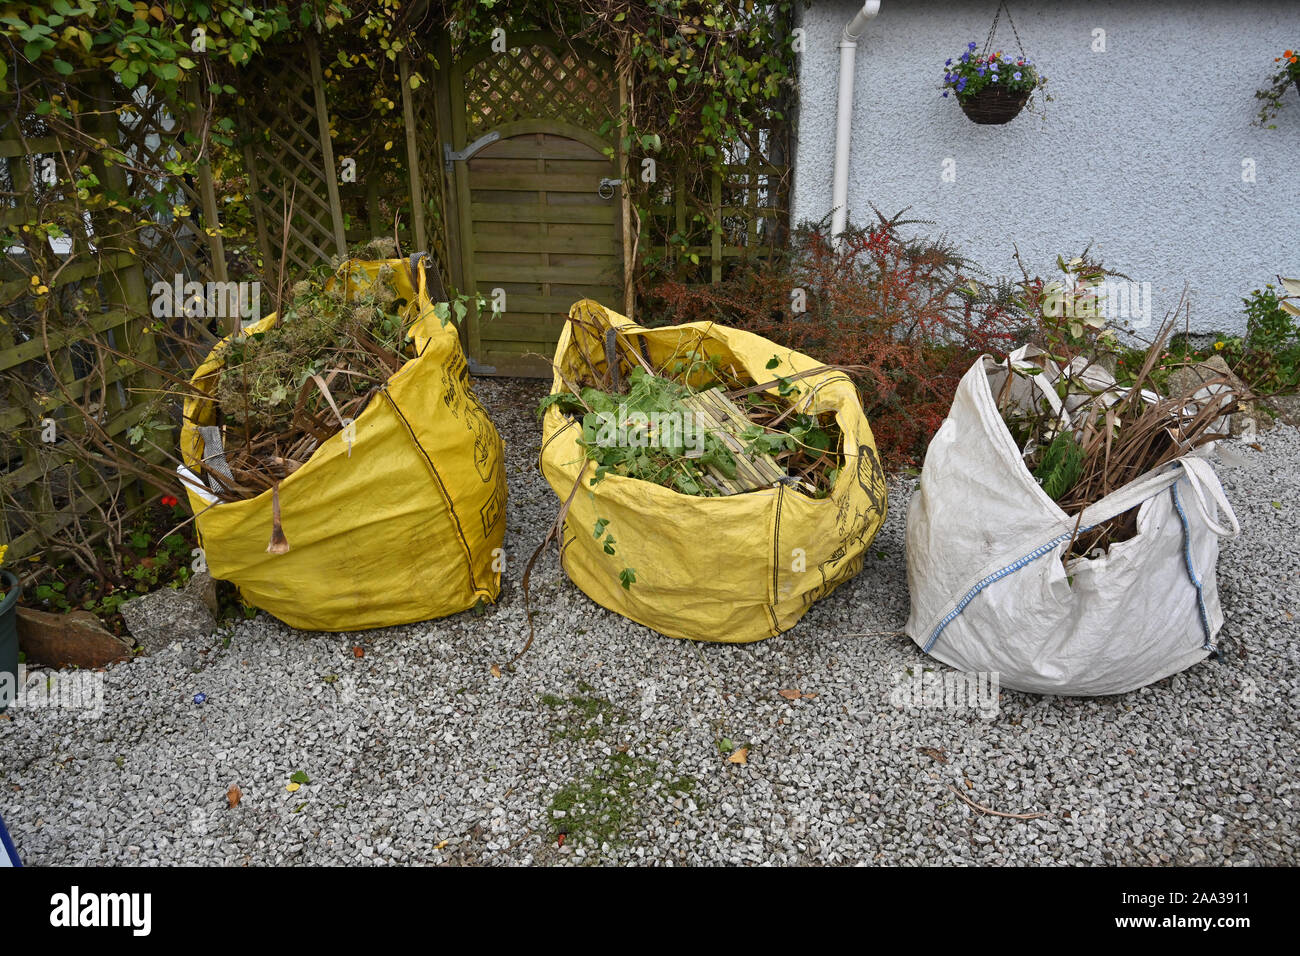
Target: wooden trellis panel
{"type": "Point", "coordinates": [151, 139]}
{"type": "Point", "coordinates": [424, 122]}
{"type": "Point", "coordinates": [538, 77]}
{"type": "Point", "coordinates": [749, 205]}
{"type": "Point", "coordinates": [97, 289]}
{"type": "Point", "coordinates": [289, 159]}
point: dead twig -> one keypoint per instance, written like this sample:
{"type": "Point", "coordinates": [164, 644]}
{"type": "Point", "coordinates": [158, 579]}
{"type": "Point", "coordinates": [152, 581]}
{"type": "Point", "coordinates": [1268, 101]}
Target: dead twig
{"type": "Point", "coordinates": [994, 813]}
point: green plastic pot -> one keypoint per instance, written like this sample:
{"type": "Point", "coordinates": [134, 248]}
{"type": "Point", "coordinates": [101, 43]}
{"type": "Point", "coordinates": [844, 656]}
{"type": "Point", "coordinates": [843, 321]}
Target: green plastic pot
{"type": "Point", "coordinates": [9, 637]}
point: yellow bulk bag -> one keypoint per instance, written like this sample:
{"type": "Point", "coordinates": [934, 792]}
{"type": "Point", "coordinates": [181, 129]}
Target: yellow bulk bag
{"type": "Point", "coordinates": [732, 569]}
{"type": "Point", "coordinates": [404, 528]}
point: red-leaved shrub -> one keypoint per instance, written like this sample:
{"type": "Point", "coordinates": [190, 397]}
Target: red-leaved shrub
{"type": "Point", "coordinates": [908, 314]}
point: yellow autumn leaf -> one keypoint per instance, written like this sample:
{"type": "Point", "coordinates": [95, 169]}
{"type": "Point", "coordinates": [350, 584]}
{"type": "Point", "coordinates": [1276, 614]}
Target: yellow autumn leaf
{"type": "Point", "coordinates": [42, 289]}
{"type": "Point", "coordinates": [388, 145]}
{"type": "Point", "coordinates": [496, 671]}
{"type": "Point", "coordinates": [741, 756]}
{"type": "Point", "coordinates": [293, 787]}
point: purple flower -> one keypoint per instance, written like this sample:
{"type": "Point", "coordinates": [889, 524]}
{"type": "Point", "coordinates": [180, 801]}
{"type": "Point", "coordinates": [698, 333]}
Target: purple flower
{"type": "Point", "coordinates": [980, 71]}
{"type": "Point", "coordinates": [961, 84]}
{"type": "Point", "coordinates": [948, 62]}
{"type": "Point", "coordinates": [945, 93]}
{"type": "Point", "coordinates": [971, 46]}
{"type": "Point", "coordinates": [965, 57]}
{"type": "Point", "coordinates": [995, 77]}
{"type": "Point", "coordinates": [200, 698]}
{"type": "Point", "coordinates": [1016, 75]}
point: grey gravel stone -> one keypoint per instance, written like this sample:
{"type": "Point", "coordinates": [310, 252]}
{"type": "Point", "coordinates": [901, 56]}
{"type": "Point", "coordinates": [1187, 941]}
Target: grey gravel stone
{"type": "Point", "coordinates": [416, 753]}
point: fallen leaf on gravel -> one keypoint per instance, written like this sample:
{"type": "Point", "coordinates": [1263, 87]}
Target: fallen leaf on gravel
{"type": "Point", "coordinates": [293, 787]}
{"type": "Point", "coordinates": [741, 756]}
{"type": "Point", "coordinates": [233, 795]}
{"type": "Point", "coordinates": [934, 753]}
{"type": "Point", "coordinates": [496, 671]}
{"type": "Point", "coordinates": [796, 695]}
{"type": "Point", "coordinates": [300, 777]}
{"type": "Point", "coordinates": [439, 846]}
{"type": "Point", "coordinates": [358, 651]}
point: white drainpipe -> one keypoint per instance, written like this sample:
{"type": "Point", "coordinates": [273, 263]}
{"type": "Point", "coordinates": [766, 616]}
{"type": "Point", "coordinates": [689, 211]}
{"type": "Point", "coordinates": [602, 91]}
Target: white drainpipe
{"type": "Point", "coordinates": [844, 115]}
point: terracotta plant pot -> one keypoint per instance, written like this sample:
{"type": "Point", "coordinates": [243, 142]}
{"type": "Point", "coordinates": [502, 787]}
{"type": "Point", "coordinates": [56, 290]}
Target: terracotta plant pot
{"type": "Point", "coordinates": [994, 105]}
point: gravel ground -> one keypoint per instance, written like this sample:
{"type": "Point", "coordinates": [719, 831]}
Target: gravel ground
{"type": "Point", "coordinates": [614, 735]}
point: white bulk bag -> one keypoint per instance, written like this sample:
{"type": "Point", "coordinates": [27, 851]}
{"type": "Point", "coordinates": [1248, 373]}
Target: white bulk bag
{"type": "Point", "coordinates": [989, 589]}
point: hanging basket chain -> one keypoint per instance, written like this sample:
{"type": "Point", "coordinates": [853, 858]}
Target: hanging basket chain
{"type": "Point", "coordinates": [988, 43]}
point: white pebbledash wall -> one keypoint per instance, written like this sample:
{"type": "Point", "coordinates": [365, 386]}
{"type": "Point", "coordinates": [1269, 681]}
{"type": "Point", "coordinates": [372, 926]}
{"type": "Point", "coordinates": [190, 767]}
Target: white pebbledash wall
{"type": "Point", "coordinates": [1142, 151]}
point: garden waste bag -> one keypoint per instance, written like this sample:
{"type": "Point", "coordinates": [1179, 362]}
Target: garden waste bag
{"type": "Point", "coordinates": [400, 527]}
{"type": "Point", "coordinates": [732, 569]}
{"type": "Point", "coordinates": [991, 593]}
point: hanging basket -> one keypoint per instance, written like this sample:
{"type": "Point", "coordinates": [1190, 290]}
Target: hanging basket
{"type": "Point", "coordinates": [993, 105]}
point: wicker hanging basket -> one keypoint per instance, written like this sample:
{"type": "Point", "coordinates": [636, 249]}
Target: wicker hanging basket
{"type": "Point", "coordinates": [993, 105]}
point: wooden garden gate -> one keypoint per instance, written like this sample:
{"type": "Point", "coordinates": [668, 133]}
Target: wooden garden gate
{"type": "Point", "coordinates": [538, 209]}
{"type": "Point", "coordinates": [511, 164]}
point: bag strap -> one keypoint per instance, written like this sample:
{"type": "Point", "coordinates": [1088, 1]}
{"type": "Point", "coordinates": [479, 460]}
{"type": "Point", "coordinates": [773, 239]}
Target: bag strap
{"type": "Point", "coordinates": [1200, 476]}
{"type": "Point", "coordinates": [417, 276]}
{"type": "Point", "coordinates": [214, 457]}
{"type": "Point", "coordinates": [1203, 479]}
{"type": "Point", "coordinates": [1129, 496]}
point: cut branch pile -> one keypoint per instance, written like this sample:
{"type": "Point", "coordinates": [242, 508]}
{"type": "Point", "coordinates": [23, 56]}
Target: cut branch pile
{"type": "Point", "coordinates": [735, 435]}
{"type": "Point", "coordinates": [1082, 436]}
{"type": "Point", "coordinates": [283, 391]}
